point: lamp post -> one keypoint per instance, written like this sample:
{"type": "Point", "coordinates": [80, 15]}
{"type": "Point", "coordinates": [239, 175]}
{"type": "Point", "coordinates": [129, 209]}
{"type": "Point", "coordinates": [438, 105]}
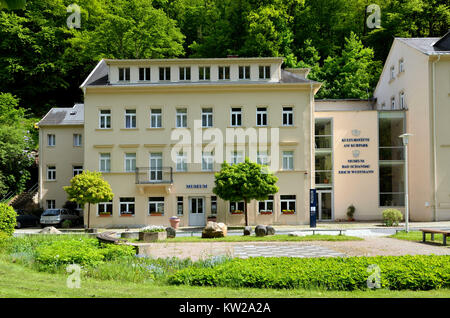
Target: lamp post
{"type": "Point", "coordinates": [405, 138]}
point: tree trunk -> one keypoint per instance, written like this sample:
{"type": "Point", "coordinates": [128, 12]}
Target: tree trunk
{"type": "Point", "coordinates": [245, 212]}
{"type": "Point", "coordinates": [89, 214]}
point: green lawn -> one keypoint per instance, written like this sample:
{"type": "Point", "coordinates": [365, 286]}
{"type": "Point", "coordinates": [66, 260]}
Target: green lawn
{"type": "Point", "coordinates": [19, 281]}
{"type": "Point", "coordinates": [416, 236]}
{"type": "Point", "coordinates": [269, 238]}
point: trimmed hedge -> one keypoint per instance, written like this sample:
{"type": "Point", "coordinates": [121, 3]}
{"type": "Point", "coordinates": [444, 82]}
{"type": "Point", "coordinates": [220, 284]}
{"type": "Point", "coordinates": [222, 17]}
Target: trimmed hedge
{"type": "Point", "coordinates": [8, 219]}
{"type": "Point", "coordinates": [420, 272]}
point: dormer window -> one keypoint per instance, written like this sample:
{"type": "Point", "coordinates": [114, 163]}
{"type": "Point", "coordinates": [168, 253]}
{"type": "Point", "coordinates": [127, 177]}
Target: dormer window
{"type": "Point", "coordinates": [185, 73]}
{"type": "Point", "coordinates": [264, 72]}
{"type": "Point", "coordinates": [401, 66]}
{"type": "Point", "coordinates": [124, 74]}
{"type": "Point", "coordinates": [224, 72]}
{"type": "Point", "coordinates": [164, 73]}
{"type": "Point", "coordinates": [204, 73]}
{"type": "Point", "coordinates": [244, 72]}
{"type": "Point", "coordinates": [144, 73]}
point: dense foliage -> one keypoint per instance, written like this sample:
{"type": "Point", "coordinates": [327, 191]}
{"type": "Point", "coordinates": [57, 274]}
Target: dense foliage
{"type": "Point", "coordinates": [391, 217]}
{"type": "Point", "coordinates": [7, 219]}
{"type": "Point", "coordinates": [396, 273]}
{"type": "Point", "coordinates": [43, 62]}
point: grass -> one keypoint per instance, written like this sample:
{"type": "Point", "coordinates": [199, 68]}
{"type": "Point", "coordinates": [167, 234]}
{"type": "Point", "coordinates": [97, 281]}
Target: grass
{"type": "Point", "coordinates": [252, 238]}
{"type": "Point", "coordinates": [416, 236]}
{"type": "Point", "coordinates": [19, 281]}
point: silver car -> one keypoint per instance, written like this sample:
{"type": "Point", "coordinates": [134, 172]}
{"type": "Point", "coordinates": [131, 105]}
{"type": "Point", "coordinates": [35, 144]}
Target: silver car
{"type": "Point", "coordinates": [56, 217]}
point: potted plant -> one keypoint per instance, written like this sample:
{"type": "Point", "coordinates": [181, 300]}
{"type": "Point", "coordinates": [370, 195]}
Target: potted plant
{"type": "Point", "coordinates": [152, 233]}
{"type": "Point", "coordinates": [288, 212]}
{"type": "Point", "coordinates": [174, 221]}
{"type": "Point", "coordinates": [350, 212]}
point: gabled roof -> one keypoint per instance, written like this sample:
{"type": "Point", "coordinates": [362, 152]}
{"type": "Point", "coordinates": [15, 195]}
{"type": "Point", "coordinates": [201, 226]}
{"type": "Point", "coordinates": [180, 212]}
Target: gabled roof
{"type": "Point", "coordinates": [64, 116]}
{"type": "Point", "coordinates": [429, 46]}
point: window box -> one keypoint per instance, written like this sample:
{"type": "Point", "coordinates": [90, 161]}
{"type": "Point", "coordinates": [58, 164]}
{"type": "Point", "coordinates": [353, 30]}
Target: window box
{"type": "Point", "coordinates": [265, 212]}
{"type": "Point", "coordinates": [288, 212]}
{"type": "Point", "coordinates": [156, 214]}
{"type": "Point", "coordinates": [212, 218]}
{"type": "Point", "coordinates": [104, 214]}
{"type": "Point", "coordinates": [237, 212]}
{"type": "Point", "coordinates": [126, 214]}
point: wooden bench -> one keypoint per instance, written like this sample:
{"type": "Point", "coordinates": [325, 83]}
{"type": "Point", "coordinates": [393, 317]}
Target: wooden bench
{"type": "Point", "coordinates": [435, 231]}
{"type": "Point", "coordinates": [107, 237]}
{"type": "Point", "coordinates": [327, 230]}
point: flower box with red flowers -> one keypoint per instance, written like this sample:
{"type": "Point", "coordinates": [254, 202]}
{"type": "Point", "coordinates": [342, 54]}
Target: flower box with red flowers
{"type": "Point", "coordinates": [237, 212]}
{"type": "Point", "coordinates": [288, 212]}
{"type": "Point", "coordinates": [126, 214]}
{"type": "Point", "coordinates": [265, 212]}
{"type": "Point", "coordinates": [156, 214]}
{"type": "Point", "coordinates": [104, 214]}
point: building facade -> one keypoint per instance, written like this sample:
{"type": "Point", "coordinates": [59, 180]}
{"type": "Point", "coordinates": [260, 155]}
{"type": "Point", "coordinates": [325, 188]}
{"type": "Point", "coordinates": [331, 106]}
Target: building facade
{"type": "Point", "coordinates": [159, 129]}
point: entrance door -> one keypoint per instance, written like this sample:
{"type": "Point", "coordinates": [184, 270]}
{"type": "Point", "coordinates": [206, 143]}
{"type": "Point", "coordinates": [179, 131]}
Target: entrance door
{"type": "Point", "coordinates": [325, 202]}
{"type": "Point", "coordinates": [197, 211]}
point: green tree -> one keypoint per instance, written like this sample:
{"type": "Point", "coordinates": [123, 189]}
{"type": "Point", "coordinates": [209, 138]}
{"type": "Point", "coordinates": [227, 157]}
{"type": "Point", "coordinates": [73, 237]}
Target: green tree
{"type": "Point", "coordinates": [244, 181]}
{"type": "Point", "coordinates": [89, 187]}
{"type": "Point", "coordinates": [7, 219]}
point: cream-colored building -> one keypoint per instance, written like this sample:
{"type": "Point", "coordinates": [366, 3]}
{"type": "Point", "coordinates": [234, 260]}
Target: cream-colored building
{"type": "Point", "coordinates": [159, 129]}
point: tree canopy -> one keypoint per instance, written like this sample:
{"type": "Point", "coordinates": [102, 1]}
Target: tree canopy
{"type": "Point", "coordinates": [244, 181]}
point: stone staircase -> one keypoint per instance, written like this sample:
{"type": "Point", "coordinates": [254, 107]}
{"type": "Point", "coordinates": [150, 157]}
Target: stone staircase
{"type": "Point", "coordinates": [26, 199]}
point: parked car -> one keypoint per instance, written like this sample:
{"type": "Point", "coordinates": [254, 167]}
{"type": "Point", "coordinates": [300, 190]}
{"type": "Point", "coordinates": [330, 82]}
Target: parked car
{"type": "Point", "coordinates": [55, 217]}
{"type": "Point", "coordinates": [25, 220]}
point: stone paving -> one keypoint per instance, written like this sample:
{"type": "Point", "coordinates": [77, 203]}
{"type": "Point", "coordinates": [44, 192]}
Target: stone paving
{"type": "Point", "coordinates": [246, 251]}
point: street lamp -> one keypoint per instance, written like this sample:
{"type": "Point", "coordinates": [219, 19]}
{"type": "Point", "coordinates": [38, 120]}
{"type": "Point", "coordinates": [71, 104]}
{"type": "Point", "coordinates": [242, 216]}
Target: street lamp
{"type": "Point", "coordinates": [405, 138]}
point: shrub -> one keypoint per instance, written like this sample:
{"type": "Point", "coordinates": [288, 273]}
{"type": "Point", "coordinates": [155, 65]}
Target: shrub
{"type": "Point", "coordinates": [351, 211]}
{"type": "Point", "coordinates": [419, 272]}
{"type": "Point", "coordinates": [391, 217]}
{"type": "Point", "coordinates": [66, 224]}
{"type": "Point", "coordinates": [7, 219]}
{"type": "Point", "coordinates": [112, 251]}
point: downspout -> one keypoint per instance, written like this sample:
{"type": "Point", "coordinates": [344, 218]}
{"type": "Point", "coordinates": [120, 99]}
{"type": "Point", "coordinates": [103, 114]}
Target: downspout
{"type": "Point", "coordinates": [311, 130]}
{"type": "Point", "coordinates": [434, 140]}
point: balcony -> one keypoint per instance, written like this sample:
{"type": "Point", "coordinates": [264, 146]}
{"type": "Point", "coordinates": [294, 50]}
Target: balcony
{"type": "Point", "coordinates": [154, 176]}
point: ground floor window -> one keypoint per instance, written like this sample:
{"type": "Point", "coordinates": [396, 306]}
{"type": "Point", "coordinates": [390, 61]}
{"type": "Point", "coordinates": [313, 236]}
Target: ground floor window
{"type": "Point", "coordinates": [287, 203]}
{"type": "Point", "coordinates": [51, 204]}
{"type": "Point", "coordinates": [127, 206]}
{"type": "Point", "coordinates": [156, 205]}
{"type": "Point", "coordinates": [266, 206]}
{"type": "Point", "coordinates": [180, 205]}
{"type": "Point", "coordinates": [214, 205]}
{"type": "Point", "coordinates": [105, 208]}
{"type": "Point", "coordinates": [237, 207]}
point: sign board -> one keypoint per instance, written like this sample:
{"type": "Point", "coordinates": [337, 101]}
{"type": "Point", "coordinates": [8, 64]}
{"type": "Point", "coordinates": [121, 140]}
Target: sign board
{"type": "Point", "coordinates": [312, 207]}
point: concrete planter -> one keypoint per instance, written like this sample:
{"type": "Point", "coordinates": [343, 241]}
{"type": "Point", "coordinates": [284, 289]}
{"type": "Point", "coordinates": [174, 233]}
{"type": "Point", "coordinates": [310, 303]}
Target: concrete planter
{"type": "Point", "coordinates": [152, 236]}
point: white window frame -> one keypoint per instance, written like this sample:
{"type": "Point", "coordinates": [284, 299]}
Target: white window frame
{"type": "Point", "coordinates": [289, 116]}
{"type": "Point", "coordinates": [402, 103]}
{"type": "Point", "coordinates": [181, 161]}
{"type": "Point", "coordinates": [237, 157]}
{"type": "Point", "coordinates": [207, 161]}
{"type": "Point", "coordinates": [158, 204]}
{"type": "Point", "coordinates": [204, 73]}
{"type": "Point", "coordinates": [156, 118]}
{"type": "Point", "coordinates": [236, 114]}
{"type": "Point", "coordinates": [106, 118]}
{"type": "Point", "coordinates": [76, 170]}
{"type": "Point", "coordinates": [288, 160]}
{"type": "Point", "coordinates": [401, 65]}
{"type": "Point", "coordinates": [237, 205]}
{"type": "Point", "coordinates": [130, 119]}
{"type": "Point", "coordinates": [392, 72]}
{"type": "Point", "coordinates": [214, 203]}
{"type": "Point", "coordinates": [104, 206]}
{"type": "Point", "coordinates": [225, 71]}
{"type": "Point", "coordinates": [261, 116]}
{"type": "Point", "coordinates": [156, 170]}
{"type": "Point", "coordinates": [51, 204]}
{"type": "Point", "coordinates": [51, 140]}
{"type": "Point", "coordinates": [124, 72]}
{"type": "Point", "coordinates": [265, 71]}
{"type": "Point", "coordinates": [77, 140]}
{"type": "Point", "coordinates": [245, 75]}
{"type": "Point", "coordinates": [51, 173]}
{"type": "Point", "coordinates": [165, 73]}
{"type": "Point", "coordinates": [181, 118]}
{"type": "Point", "coordinates": [104, 162]}
{"type": "Point", "coordinates": [288, 202]}
{"type": "Point", "coordinates": [130, 162]}
{"type": "Point", "coordinates": [265, 203]}
{"type": "Point", "coordinates": [207, 117]}
{"type": "Point", "coordinates": [146, 74]}
{"type": "Point", "coordinates": [180, 203]}
{"type": "Point", "coordinates": [262, 158]}
{"type": "Point", "coordinates": [185, 73]}
{"type": "Point", "coordinates": [127, 204]}
{"type": "Point", "coordinates": [393, 106]}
